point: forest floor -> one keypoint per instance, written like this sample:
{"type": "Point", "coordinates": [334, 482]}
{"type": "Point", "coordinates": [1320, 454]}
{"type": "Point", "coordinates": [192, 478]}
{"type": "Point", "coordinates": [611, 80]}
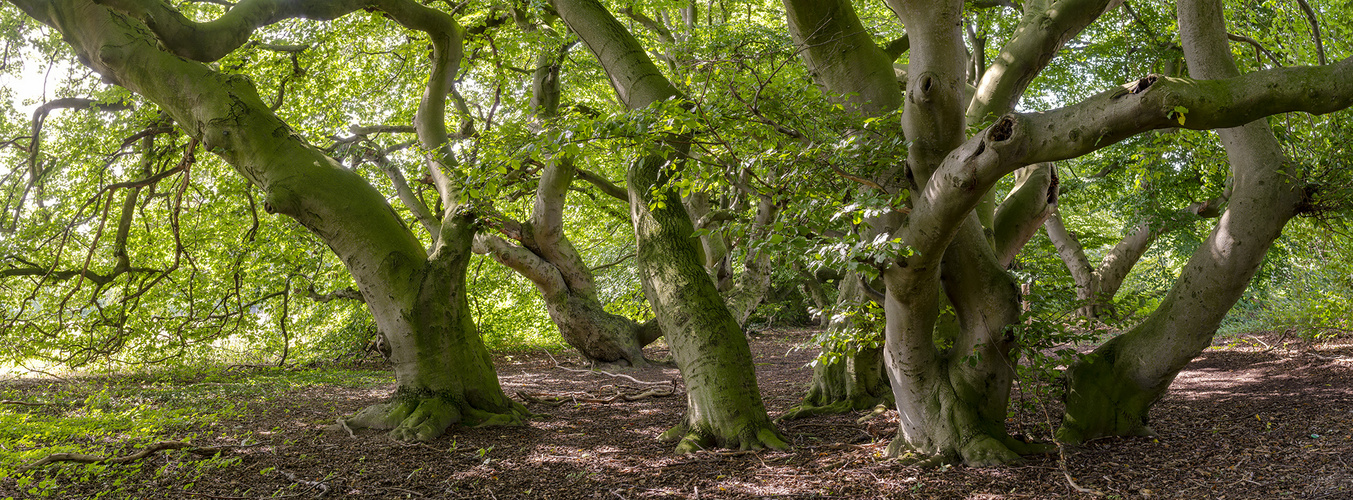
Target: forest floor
{"type": "Point", "coordinates": [1260, 416]}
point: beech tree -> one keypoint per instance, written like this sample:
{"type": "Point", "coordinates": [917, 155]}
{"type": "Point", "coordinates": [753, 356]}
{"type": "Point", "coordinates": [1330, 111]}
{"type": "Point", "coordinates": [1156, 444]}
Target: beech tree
{"type": "Point", "coordinates": [416, 295]}
{"type": "Point", "coordinates": [909, 148]}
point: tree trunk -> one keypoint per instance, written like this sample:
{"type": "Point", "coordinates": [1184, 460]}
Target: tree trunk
{"type": "Point", "coordinates": [1112, 390]}
{"type": "Point", "coordinates": [852, 381]}
{"type": "Point", "coordinates": [545, 255]}
{"type": "Point", "coordinates": [444, 372]}
{"type": "Point", "coordinates": [723, 403]}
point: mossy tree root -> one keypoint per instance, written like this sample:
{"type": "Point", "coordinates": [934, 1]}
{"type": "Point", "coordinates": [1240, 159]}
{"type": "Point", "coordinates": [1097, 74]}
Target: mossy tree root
{"type": "Point", "coordinates": [812, 408]}
{"type": "Point", "coordinates": [694, 438]}
{"type": "Point", "coordinates": [424, 418]}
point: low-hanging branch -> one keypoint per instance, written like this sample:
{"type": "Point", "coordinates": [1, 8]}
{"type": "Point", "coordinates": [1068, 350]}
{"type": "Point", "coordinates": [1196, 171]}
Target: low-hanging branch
{"type": "Point", "coordinates": [606, 186]}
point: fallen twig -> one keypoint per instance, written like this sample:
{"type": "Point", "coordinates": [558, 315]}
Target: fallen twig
{"type": "Point", "coordinates": [23, 403]}
{"type": "Point", "coordinates": [532, 399]}
{"type": "Point", "coordinates": [603, 372]}
{"type": "Point", "coordinates": [1329, 358]}
{"type": "Point", "coordinates": [559, 399]}
{"type": "Point", "coordinates": [151, 449]}
{"type": "Point", "coordinates": [148, 451]}
{"type": "Point", "coordinates": [319, 485]}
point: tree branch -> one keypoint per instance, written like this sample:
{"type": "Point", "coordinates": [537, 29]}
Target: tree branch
{"type": "Point", "coordinates": [607, 187]}
{"type": "Point", "coordinates": [346, 293]}
{"type": "Point", "coordinates": [1257, 47]}
{"type": "Point", "coordinates": [212, 40]}
{"type": "Point", "coordinates": [1315, 30]}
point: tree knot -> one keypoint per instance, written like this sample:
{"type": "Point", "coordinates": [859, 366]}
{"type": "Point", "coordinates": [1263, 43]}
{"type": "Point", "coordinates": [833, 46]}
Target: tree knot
{"type": "Point", "coordinates": [1141, 85]}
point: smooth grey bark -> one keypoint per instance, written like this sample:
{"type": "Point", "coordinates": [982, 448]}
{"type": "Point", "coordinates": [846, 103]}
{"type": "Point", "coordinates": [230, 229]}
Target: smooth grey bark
{"type": "Point", "coordinates": [545, 255]}
{"type": "Point", "coordinates": [951, 397]}
{"type": "Point", "coordinates": [723, 403]}
{"type": "Point", "coordinates": [444, 371]}
{"type": "Point", "coordinates": [1111, 392]}
{"type": "Point", "coordinates": [745, 290]}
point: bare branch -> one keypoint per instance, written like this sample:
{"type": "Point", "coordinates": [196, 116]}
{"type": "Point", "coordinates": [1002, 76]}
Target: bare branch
{"type": "Point", "coordinates": [606, 186]}
{"type": "Point", "coordinates": [1257, 47]}
{"type": "Point", "coordinates": [1315, 30]}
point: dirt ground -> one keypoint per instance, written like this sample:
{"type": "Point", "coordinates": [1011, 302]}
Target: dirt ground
{"type": "Point", "coordinates": [1260, 417]}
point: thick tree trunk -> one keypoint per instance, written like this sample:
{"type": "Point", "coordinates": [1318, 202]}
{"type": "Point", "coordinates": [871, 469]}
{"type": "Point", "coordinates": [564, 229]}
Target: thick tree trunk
{"type": "Point", "coordinates": [418, 300]}
{"type": "Point", "coordinates": [444, 372]}
{"type": "Point", "coordinates": [952, 395]}
{"type": "Point", "coordinates": [1112, 391]}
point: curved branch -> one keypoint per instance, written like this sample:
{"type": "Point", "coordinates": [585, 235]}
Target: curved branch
{"type": "Point", "coordinates": [1257, 47]}
{"type": "Point", "coordinates": [1315, 31]}
{"type": "Point", "coordinates": [607, 187]}
{"type": "Point", "coordinates": [212, 40]}
{"type": "Point", "coordinates": [1153, 102]}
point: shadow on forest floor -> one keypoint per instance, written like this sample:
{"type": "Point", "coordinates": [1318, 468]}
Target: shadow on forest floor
{"type": "Point", "coordinates": [1242, 421]}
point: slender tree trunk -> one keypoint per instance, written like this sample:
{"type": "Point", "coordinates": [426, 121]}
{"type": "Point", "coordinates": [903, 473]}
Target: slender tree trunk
{"type": "Point", "coordinates": [855, 380]}
{"type": "Point", "coordinates": [1112, 391]}
{"type": "Point", "coordinates": [723, 403]}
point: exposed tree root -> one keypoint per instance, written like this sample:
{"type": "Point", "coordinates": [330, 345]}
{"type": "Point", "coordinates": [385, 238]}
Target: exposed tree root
{"type": "Point", "coordinates": [806, 409]}
{"type": "Point", "coordinates": [152, 449]}
{"type": "Point", "coordinates": [423, 418]}
{"type": "Point", "coordinates": [751, 438]}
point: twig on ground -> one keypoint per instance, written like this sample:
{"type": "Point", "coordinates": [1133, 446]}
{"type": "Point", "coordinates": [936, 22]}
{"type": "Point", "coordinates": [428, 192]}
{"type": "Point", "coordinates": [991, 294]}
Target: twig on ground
{"type": "Point", "coordinates": [411, 492]}
{"type": "Point", "coordinates": [1329, 358]}
{"type": "Point", "coordinates": [532, 399]}
{"type": "Point", "coordinates": [148, 451]}
{"type": "Point", "coordinates": [317, 485]}
{"type": "Point", "coordinates": [23, 403]}
{"type": "Point", "coordinates": [560, 399]}
{"type": "Point", "coordinates": [603, 372]}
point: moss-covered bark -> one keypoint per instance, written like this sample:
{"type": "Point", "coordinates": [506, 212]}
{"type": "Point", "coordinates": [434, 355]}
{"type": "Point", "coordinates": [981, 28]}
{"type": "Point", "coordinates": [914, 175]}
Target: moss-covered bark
{"type": "Point", "coordinates": [723, 403]}
{"type": "Point", "coordinates": [444, 371]}
{"type": "Point", "coordinates": [855, 381]}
